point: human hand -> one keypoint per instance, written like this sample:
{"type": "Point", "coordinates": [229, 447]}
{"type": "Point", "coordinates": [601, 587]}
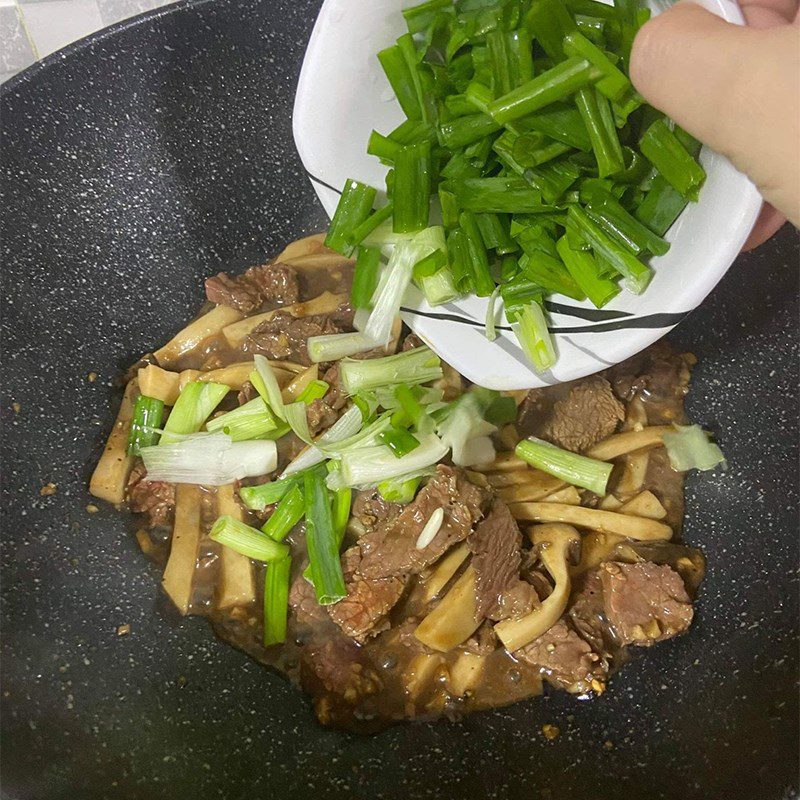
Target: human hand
{"type": "Point", "coordinates": [735, 88]}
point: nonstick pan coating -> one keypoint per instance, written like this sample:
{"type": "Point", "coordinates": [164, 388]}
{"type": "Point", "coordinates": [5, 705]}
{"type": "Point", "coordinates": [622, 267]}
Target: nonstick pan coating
{"type": "Point", "coordinates": [138, 162]}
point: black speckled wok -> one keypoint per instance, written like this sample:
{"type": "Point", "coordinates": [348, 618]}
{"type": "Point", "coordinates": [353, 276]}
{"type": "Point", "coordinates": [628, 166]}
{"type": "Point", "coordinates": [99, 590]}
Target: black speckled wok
{"type": "Point", "coordinates": [153, 154]}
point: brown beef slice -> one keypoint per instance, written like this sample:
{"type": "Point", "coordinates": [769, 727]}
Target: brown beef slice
{"type": "Point", "coordinates": [587, 413]}
{"type": "Point", "coordinates": [362, 613]}
{"type": "Point", "coordinates": [248, 292]}
{"type": "Point", "coordinates": [303, 601]}
{"type": "Point", "coordinates": [284, 336]}
{"type": "Point", "coordinates": [496, 546]}
{"type": "Point", "coordinates": [644, 602]}
{"type": "Point", "coordinates": [390, 549]}
{"type": "Point", "coordinates": [370, 509]}
{"type": "Point", "coordinates": [587, 611]}
{"type": "Point", "coordinates": [154, 498]}
{"type": "Point", "coordinates": [320, 416]}
{"type": "Point", "coordinates": [566, 660]}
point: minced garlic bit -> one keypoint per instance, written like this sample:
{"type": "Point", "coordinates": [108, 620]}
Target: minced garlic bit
{"type": "Point", "coordinates": [123, 630]}
{"type": "Point", "coordinates": [16, 407]}
{"type": "Point", "coordinates": [551, 732]}
{"type": "Point", "coordinates": [91, 377]}
{"type": "Point", "coordinates": [48, 489]}
{"type": "Point", "coordinates": [92, 508]}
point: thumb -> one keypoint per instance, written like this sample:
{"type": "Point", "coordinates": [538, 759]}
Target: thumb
{"type": "Point", "coordinates": [736, 89]}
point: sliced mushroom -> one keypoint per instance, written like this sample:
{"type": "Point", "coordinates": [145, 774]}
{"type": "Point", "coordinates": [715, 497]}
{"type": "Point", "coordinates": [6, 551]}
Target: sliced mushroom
{"type": "Point", "coordinates": [455, 619]}
{"type": "Point", "coordinates": [554, 543]}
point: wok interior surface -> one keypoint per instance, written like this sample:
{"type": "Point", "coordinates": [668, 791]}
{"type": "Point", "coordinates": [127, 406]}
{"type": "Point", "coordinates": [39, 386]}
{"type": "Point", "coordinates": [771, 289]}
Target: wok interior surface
{"type": "Point", "coordinates": [161, 153]}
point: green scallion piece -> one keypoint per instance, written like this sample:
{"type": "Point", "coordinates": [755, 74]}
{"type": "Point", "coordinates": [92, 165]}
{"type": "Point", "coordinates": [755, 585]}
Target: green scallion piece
{"type": "Point", "coordinates": [412, 188]}
{"type": "Point", "coordinates": [599, 122]}
{"type": "Point", "coordinates": [550, 274]}
{"type": "Point", "coordinates": [192, 408]}
{"type": "Point", "coordinates": [354, 208]}
{"type": "Point", "coordinates": [342, 500]}
{"type": "Point", "coordinates": [276, 600]}
{"type": "Point", "coordinates": [555, 84]}
{"type": "Point", "coordinates": [494, 230]}
{"type": "Point", "coordinates": [400, 79]}
{"type": "Point", "coordinates": [637, 275]}
{"type": "Point", "coordinates": [588, 473]}
{"type": "Point", "coordinates": [550, 22]}
{"type": "Point", "coordinates": [662, 148]}
{"type": "Point", "coordinates": [461, 131]}
{"type": "Point", "coordinates": [257, 498]}
{"type": "Point", "coordinates": [477, 257]}
{"type": "Point", "coordinates": [518, 293]}
{"type": "Point", "coordinates": [583, 268]}
{"type": "Point", "coordinates": [370, 224]}
{"type": "Point", "coordinates": [511, 195]}
{"type": "Point", "coordinates": [315, 390]}
{"type": "Point", "coordinates": [419, 365]}
{"type": "Point", "coordinates": [382, 147]}
{"type": "Point", "coordinates": [248, 541]}
{"type": "Point", "coordinates": [614, 84]}
{"type": "Point", "coordinates": [399, 441]}
{"type": "Point", "coordinates": [321, 540]}
{"type": "Point", "coordinates": [661, 206]}
{"type": "Point", "coordinates": [399, 490]}
{"type": "Point", "coordinates": [287, 514]}
{"type": "Point", "coordinates": [148, 414]}
{"type": "Point", "coordinates": [530, 327]}
{"type": "Point", "coordinates": [365, 277]}
{"type": "Point", "coordinates": [253, 420]}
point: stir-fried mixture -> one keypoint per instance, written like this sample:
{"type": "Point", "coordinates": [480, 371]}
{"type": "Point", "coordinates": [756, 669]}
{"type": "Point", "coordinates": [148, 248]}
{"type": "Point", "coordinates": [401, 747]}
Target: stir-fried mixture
{"type": "Point", "coordinates": [398, 542]}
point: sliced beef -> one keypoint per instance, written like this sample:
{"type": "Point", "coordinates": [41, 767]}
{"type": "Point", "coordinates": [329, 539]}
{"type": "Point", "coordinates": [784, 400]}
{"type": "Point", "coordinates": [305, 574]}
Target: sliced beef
{"type": "Point", "coordinates": [644, 602]}
{"type": "Point", "coordinates": [587, 611]}
{"type": "Point", "coordinates": [496, 547]}
{"type": "Point", "coordinates": [303, 601]}
{"type": "Point", "coordinates": [320, 416]}
{"type": "Point", "coordinates": [274, 283]}
{"type": "Point", "coordinates": [335, 397]}
{"type": "Point", "coordinates": [246, 393]}
{"type": "Point", "coordinates": [584, 413]}
{"type": "Point", "coordinates": [659, 375]}
{"type": "Point", "coordinates": [411, 342]}
{"type": "Point", "coordinates": [154, 498]}
{"type": "Point", "coordinates": [390, 549]}
{"type": "Point", "coordinates": [370, 509]}
{"type": "Point", "coordinates": [566, 660]}
{"type": "Point", "coordinates": [284, 336]}
{"type": "Point", "coordinates": [483, 642]}
{"type": "Point", "coordinates": [362, 613]}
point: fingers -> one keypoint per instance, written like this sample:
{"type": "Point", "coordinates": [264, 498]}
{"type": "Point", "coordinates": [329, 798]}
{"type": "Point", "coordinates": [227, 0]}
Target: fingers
{"type": "Point", "coordinates": [769, 222]}
{"type": "Point", "coordinates": [736, 89]}
{"type": "Point", "coordinates": [768, 13]}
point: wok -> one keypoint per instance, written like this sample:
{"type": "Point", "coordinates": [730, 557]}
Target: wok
{"type": "Point", "coordinates": [152, 154]}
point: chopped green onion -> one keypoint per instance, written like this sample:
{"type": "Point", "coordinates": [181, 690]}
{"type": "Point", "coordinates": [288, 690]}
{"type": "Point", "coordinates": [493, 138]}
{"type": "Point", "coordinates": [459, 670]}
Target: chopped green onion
{"type": "Point", "coordinates": [555, 84]}
{"type": "Point", "coordinates": [439, 288]}
{"type": "Point", "coordinates": [466, 432]}
{"type": "Point", "coordinates": [530, 327]}
{"type": "Point", "coordinates": [399, 490]}
{"type": "Point", "coordinates": [688, 448]}
{"type": "Point", "coordinates": [253, 420]}
{"type": "Point", "coordinates": [400, 78]}
{"type": "Point", "coordinates": [276, 600]}
{"type": "Point", "coordinates": [461, 131]}
{"type": "Point", "coordinates": [368, 466]}
{"type": "Point", "coordinates": [354, 207]}
{"type": "Point", "coordinates": [333, 346]}
{"type": "Point", "coordinates": [321, 541]}
{"type": "Point", "coordinates": [500, 195]}
{"type": "Point", "coordinates": [192, 408]}
{"type": "Point", "coordinates": [365, 277]}
{"type": "Point", "coordinates": [585, 272]}
{"type": "Point", "coordinates": [412, 188]}
{"type": "Point", "coordinates": [637, 275]}
{"type": "Point", "coordinates": [399, 441]}
{"type": "Point", "coordinates": [550, 274]}
{"type": "Point", "coordinates": [562, 123]}
{"type": "Point", "coordinates": [494, 230]}
{"type": "Point", "coordinates": [419, 365]}
{"type": "Point", "coordinates": [315, 390]}
{"type": "Point", "coordinates": [361, 232]}
{"type": "Point", "coordinates": [614, 84]}
{"type": "Point", "coordinates": [550, 22]}
{"type": "Point", "coordinates": [287, 514]}
{"type": "Point", "coordinates": [382, 147]}
{"type": "Point", "coordinates": [501, 411]}
{"type": "Point", "coordinates": [297, 418]}
{"type": "Point", "coordinates": [342, 500]}
{"type": "Point", "coordinates": [596, 115]}
{"type": "Point", "coordinates": [491, 330]}
{"type": "Point", "coordinates": [661, 206]}
{"type": "Point", "coordinates": [588, 473]}
{"type": "Point", "coordinates": [257, 498]}
{"type": "Point", "coordinates": [518, 293]}
{"type": "Point", "coordinates": [148, 414]}
{"type": "Point", "coordinates": [477, 257]}
{"type": "Point", "coordinates": [248, 541]}
{"type": "Point", "coordinates": [662, 148]}
{"type": "Point", "coordinates": [266, 384]}
{"type": "Point", "coordinates": [410, 404]}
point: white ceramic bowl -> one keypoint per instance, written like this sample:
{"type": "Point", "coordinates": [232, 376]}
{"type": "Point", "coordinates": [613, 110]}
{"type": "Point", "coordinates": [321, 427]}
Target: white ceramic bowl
{"type": "Point", "coordinates": [343, 94]}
